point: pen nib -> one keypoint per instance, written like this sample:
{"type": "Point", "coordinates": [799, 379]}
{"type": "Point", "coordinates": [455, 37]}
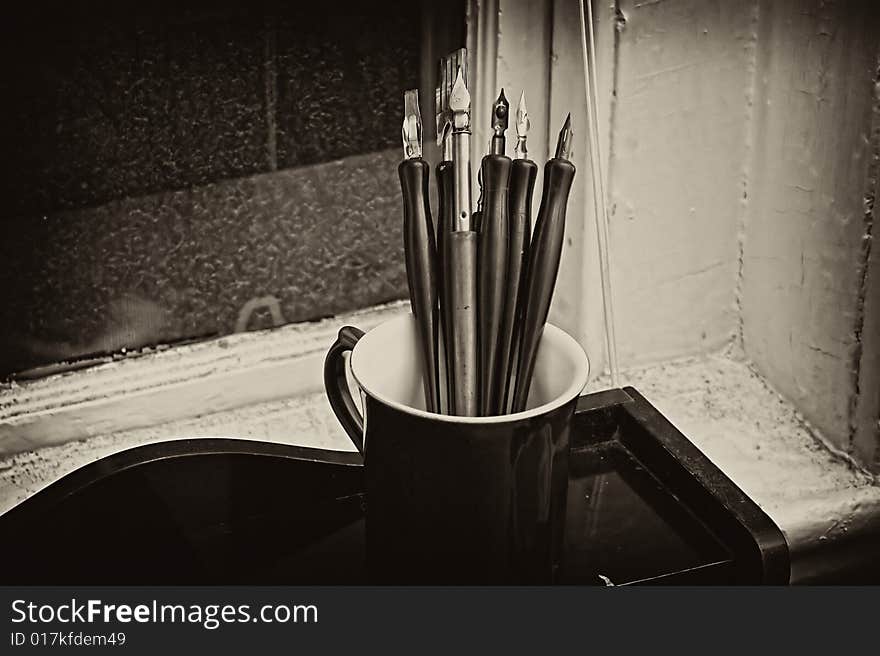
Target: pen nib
{"type": "Point", "coordinates": [460, 103]}
{"type": "Point", "coordinates": [564, 143]}
{"type": "Point", "coordinates": [440, 119]}
{"type": "Point", "coordinates": [500, 112]}
{"type": "Point", "coordinates": [412, 125]}
{"type": "Point", "coordinates": [522, 128]}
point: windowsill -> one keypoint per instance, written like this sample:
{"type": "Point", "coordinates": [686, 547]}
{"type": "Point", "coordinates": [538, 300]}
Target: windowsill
{"type": "Point", "coordinates": [178, 383]}
{"type": "Point", "coordinates": [822, 503]}
{"type": "Point", "coordinates": [267, 386]}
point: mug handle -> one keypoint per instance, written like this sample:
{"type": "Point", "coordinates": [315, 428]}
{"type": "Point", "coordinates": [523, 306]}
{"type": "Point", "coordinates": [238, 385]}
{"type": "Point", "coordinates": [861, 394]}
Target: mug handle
{"type": "Point", "coordinates": [336, 385]}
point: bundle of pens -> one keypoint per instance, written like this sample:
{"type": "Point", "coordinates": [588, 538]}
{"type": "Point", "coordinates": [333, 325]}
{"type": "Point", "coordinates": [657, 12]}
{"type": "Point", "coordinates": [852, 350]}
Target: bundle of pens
{"type": "Point", "coordinates": [481, 289]}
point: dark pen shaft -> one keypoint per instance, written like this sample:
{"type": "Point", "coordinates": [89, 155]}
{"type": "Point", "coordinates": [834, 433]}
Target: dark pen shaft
{"type": "Point", "coordinates": [543, 267]}
{"type": "Point", "coordinates": [522, 184]}
{"type": "Point", "coordinates": [493, 256]}
{"type": "Point", "coordinates": [421, 270]}
{"type": "Point", "coordinates": [445, 202]}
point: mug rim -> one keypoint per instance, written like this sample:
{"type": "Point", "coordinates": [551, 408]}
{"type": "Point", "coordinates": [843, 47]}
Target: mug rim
{"type": "Point", "coordinates": [571, 392]}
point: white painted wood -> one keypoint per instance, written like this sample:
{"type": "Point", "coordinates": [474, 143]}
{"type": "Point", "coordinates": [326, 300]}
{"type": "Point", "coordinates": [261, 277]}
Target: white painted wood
{"type": "Point", "coordinates": [183, 382]}
{"type": "Point", "coordinates": [673, 79]}
{"type": "Point", "coordinates": [677, 152]}
{"type": "Point", "coordinates": [805, 224]}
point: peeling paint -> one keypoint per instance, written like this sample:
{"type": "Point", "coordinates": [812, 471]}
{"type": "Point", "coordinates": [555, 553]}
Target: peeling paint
{"type": "Point", "coordinates": [751, 52]}
{"type": "Point", "coordinates": [862, 350]}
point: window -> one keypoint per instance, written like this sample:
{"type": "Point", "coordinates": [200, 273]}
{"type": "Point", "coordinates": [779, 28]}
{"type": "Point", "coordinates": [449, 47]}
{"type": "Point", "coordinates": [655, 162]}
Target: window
{"type": "Point", "coordinates": [175, 173]}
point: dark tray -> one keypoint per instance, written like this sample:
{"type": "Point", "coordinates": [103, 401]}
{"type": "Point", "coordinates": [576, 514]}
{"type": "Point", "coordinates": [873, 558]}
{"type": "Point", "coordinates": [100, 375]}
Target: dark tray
{"type": "Point", "coordinates": [644, 506]}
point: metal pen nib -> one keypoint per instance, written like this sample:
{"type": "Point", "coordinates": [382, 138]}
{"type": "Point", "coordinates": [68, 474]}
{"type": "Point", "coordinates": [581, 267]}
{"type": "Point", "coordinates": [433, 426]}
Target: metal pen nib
{"type": "Point", "coordinates": [442, 127]}
{"type": "Point", "coordinates": [564, 143]}
{"type": "Point", "coordinates": [500, 114]}
{"type": "Point", "coordinates": [449, 65]}
{"type": "Point", "coordinates": [522, 128]}
{"type": "Point", "coordinates": [412, 125]}
{"type": "Point", "coordinates": [460, 106]}
{"type": "Point", "coordinates": [439, 120]}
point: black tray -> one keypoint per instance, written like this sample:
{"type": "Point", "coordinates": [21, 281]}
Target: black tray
{"type": "Point", "coordinates": [644, 506]}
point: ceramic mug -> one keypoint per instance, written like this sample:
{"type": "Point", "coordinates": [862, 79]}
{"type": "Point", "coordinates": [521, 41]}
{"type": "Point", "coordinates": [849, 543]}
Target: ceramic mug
{"type": "Point", "coordinates": [463, 500]}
